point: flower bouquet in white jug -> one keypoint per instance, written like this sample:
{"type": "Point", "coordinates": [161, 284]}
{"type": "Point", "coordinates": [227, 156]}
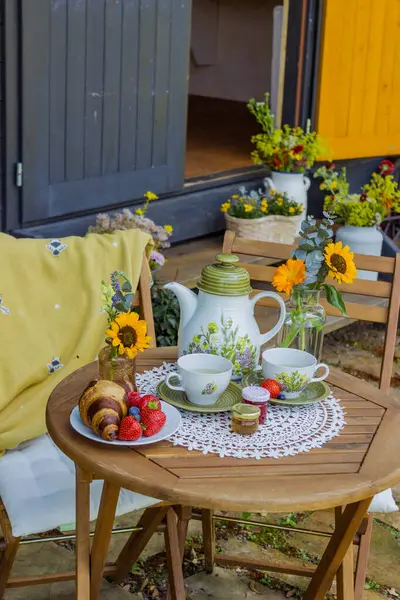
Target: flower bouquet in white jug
{"type": "Point", "coordinates": [304, 276]}
{"type": "Point", "coordinates": [361, 213]}
{"type": "Point", "coordinates": [287, 151]}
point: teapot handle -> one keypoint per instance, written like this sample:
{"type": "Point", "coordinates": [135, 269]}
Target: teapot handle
{"type": "Point", "coordinates": [265, 337]}
{"type": "Point", "coordinates": [306, 182]}
{"type": "Point", "coordinates": [268, 183]}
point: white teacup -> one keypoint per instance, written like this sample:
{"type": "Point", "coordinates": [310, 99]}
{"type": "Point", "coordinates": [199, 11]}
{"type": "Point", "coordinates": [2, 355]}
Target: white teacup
{"type": "Point", "coordinates": [293, 369]}
{"type": "Point", "coordinates": [203, 377]}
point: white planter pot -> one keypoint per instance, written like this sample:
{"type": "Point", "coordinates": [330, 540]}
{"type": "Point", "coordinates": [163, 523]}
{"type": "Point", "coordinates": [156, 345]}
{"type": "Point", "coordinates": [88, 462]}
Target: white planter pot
{"type": "Point", "coordinates": [362, 240]}
{"type": "Point", "coordinates": [295, 185]}
{"type": "Point", "coordinates": [271, 228]}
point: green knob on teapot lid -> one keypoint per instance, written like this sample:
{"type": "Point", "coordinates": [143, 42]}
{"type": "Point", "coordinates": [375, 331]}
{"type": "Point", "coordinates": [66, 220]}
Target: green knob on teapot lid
{"type": "Point", "coordinates": [225, 278]}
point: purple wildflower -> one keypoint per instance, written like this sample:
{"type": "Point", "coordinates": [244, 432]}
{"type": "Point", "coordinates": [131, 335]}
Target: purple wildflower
{"type": "Point", "coordinates": [115, 282]}
{"type": "Point", "coordinates": [157, 257]}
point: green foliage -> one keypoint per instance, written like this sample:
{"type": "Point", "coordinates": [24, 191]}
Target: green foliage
{"type": "Point", "coordinates": [377, 199]}
{"type": "Point", "coordinates": [293, 382]}
{"type": "Point", "coordinates": [166, 315]}
{"type": "Point", "coordinates": [289, 149]}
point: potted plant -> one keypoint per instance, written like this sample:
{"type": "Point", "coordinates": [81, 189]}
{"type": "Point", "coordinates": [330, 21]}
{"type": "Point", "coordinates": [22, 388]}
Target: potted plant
{"type": "Point", "coordinates": [288, 152]}
{"type": "Point", "coordinates": [126, 219]}
{"type": "Point", "coordinates": [363, 212]}
{"type": "Point", "coordinates": [257, 217]}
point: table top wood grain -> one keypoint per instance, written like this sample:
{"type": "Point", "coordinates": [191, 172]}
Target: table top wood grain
{"type": "Point", "coordinates": [361, 461]}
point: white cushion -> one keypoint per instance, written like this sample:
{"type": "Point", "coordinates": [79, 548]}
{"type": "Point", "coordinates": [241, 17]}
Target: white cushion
{"type": "Point", "coordinates": [37, 486]}
{"type": "Point", "coordinates": [383, 503]}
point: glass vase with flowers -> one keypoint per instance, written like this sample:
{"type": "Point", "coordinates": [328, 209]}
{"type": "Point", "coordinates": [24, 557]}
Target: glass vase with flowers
{"type": "Point", "coordinates": [126, 333]}
{"type": "Point", "coordinates": [315, 266]}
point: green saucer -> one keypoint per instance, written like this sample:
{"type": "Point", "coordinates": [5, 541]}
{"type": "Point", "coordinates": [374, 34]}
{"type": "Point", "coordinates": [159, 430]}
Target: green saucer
{"type": "Point", "coordinates": [231, 396]}
{"type": "Point", "coordinates": [315, 392]}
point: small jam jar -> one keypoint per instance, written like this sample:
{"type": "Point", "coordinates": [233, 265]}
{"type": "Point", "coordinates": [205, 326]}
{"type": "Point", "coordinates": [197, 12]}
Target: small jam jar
{"type": "Point", "coordinates": [245, 419]}
{"type": "Point", "coordinates": [257, 396]}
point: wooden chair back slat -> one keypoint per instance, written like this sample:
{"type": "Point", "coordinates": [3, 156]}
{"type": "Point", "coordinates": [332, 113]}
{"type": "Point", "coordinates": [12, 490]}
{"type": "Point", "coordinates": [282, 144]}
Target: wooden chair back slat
{"type": "Point", "coordinates": [355, 310]}
{"type": "Point", "coordinates": [361, 287]}
{"type": "Point", "coordinates": [142, 300]}
{"type": "Point", "coordinates": [379, 289]}
{"type": "Point", "coordinates": [236, 245]}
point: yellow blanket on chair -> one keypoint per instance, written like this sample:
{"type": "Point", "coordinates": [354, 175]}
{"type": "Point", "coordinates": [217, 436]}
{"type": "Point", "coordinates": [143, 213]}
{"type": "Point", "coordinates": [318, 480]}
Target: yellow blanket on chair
{"type": "Point", "coordinates": [50, 319]}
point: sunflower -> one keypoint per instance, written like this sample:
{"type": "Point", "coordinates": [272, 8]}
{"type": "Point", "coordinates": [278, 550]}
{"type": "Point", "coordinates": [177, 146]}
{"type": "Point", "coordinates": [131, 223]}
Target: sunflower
{"type": "Point", "coordinates": [128, 334]}
{"type": "Point", "coordinates": [291, 273]}
{"type": "Point", "coordinates": [340, 263]}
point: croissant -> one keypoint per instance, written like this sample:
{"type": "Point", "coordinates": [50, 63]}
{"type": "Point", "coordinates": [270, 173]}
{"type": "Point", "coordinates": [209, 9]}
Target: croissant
{"type": "Point", "coordinates": [102, 406]}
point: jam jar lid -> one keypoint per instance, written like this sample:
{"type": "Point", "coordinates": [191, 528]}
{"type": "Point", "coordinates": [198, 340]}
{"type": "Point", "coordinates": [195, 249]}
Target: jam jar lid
{"type": "Point", "coordinates": [255, 393]}
{"type": "Point", "coordinates": [246, 411]}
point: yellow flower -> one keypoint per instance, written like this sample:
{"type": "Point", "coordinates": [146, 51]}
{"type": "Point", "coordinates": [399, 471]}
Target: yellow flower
{"type": "Point", "coordinates": [272, 192]}
{"type": "Point", "coordinates": [264, 206]}
{"type": "Point", "coordinates": [140, 212]}
{"type": "Point", "coordinates": [291, 209]}
{"type": "Point", "coordinates": [340, 263]}
{"type": "Point", "coordinates": [225, 207]}
{"type": "Point", "coordinates": [279, 202]}
{"type": "Point", "coordinates": [235, 196]}
{"type": "Point", "coordinates": [248, 207]}
{"type": "Point", "coordinates": [291, 273]}
{"type": "Point", "coordinates": [321, 186]}
{"type": "Point", "coordinates": [333, 184]}
{"type": "Point", "coordinates": [168, 229]}
{"type": "Point", "coordinates": [128, 334]}
{"type": "Point", "coordinates": [150, 196]}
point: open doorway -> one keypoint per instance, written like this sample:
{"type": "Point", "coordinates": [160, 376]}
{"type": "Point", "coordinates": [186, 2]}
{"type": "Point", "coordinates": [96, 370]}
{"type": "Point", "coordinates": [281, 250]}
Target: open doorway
{"type": "Point", "coordinates": [231, 61]}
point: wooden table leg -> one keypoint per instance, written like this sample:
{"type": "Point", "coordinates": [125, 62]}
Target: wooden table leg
{"type": "Point", "coordinates": [150, 520]}
{"type": "Point", "coordinates": [208, 540]}
{"type": "Point", "coordinates": [336, 550]}
{"type": "Point", "coordinates": [174, 558]}
{"type": "Point", "coordinates": [83, 481]}
{"type": "Point", "coordinates": [184, 514]}
{"type": "Point", "coordinates": [345, 574]}
{"type": "Point", "coordinates": [101, 540]}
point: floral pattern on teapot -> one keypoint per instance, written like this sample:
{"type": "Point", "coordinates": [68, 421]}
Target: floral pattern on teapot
{"type": "Point", "coordinates": [224, 340]}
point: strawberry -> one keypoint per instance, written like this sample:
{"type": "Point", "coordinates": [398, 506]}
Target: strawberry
{"type": "Point", "coordinates": [272, 386]}
{"type": "Point", "coordinates": [153, 420]}
{"type": "Point", "coordinates": [150, 401]}
{"type": "Point", "coordinates": [130, 429]}
{"type": "Point", "coordinates": [134, 398]}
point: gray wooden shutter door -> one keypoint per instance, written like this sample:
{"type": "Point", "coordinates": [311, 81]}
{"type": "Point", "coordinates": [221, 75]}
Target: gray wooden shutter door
{"type": "Point", "coordinates": [104, 100]}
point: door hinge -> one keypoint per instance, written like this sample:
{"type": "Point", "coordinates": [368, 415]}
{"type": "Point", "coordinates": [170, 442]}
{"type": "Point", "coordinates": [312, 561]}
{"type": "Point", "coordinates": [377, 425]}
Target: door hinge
{"type": "Point", "coordinates": [19, 174]}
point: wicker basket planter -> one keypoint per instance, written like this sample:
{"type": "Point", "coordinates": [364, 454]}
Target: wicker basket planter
{"type": "Point", "coordinates": [272, 228]}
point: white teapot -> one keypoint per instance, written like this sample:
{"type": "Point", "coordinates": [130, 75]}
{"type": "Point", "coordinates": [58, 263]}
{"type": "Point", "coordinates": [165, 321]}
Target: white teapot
{"type": "Point", "coordinates": [220, 319]}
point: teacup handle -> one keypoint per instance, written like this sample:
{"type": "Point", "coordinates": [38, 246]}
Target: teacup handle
{"type": "Point", "coordinates": [179, 388]}
{"type": "Point", "coordinates": [324, 376]}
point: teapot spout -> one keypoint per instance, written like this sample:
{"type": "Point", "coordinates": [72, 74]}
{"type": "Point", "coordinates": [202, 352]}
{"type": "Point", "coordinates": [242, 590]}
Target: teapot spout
{"type": "Point", "coordinates": [187, 300]}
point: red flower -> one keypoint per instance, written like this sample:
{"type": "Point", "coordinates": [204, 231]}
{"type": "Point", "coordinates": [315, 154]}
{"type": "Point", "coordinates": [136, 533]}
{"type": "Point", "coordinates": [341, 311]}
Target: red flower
{"type": "Point", "coordinates": [331, 166]}
{"type": "Point", "coordinates": [297, 149]}
{"type": "Point", "coordinates": [363, 198]}
{"type": "Point", "coordinates": [276, 162]}
{"type": "Point", "coordinates": [386, 167]}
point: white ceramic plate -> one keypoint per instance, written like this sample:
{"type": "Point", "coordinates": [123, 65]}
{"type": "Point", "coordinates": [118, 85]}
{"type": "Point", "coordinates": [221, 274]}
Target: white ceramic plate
{"type": "Point", "coordinates": [172, 424]}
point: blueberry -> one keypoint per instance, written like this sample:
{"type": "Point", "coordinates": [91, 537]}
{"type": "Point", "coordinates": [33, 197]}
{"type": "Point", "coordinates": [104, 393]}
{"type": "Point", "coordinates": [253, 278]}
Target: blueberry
{"type": "Point", "coordinates": [281, 397]}
{"type": "Point", "coordinates": [134, 411]}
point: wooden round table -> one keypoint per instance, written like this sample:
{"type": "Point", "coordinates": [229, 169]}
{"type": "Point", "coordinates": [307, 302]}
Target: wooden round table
{"type": "Point", "coordinates": [346, 472]}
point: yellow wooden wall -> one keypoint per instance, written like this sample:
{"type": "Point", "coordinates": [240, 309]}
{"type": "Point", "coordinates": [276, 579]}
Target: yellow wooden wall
{"type": "Point", "coordinates": [358, 108]}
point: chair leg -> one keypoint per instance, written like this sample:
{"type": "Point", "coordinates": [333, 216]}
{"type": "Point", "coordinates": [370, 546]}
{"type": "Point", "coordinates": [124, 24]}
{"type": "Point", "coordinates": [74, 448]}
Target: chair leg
{"type": "Point", "coordinates": [150, 520]}
{"type": "Point", "coordinates": [345, 574]}
{"type": "Point", "coordinates": [362, 559]}
{"type": "Point", "coordinates": [208, 540]}
{"type": "Point", "coordinates": [8, 555]}
{"type": "Point", "coordinates": [82, 554]}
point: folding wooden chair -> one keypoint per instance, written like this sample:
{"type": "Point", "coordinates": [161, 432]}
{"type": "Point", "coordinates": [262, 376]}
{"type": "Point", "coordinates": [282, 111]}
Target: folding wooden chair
{"type": "Point", "coordinates": [9, 544]}
{"type": "Point", "coordinates": [386, 311]}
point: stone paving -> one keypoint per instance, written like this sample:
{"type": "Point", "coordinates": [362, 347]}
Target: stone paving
{"type": "Point", "coordinates": [360, 345]}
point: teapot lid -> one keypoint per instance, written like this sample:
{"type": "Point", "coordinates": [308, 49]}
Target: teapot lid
{"type": "Point", "coordinates": [225, 278]}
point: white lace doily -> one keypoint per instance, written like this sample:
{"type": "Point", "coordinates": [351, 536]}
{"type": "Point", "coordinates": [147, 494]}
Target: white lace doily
{"type": "Point", "coordinates": [287, 431]}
